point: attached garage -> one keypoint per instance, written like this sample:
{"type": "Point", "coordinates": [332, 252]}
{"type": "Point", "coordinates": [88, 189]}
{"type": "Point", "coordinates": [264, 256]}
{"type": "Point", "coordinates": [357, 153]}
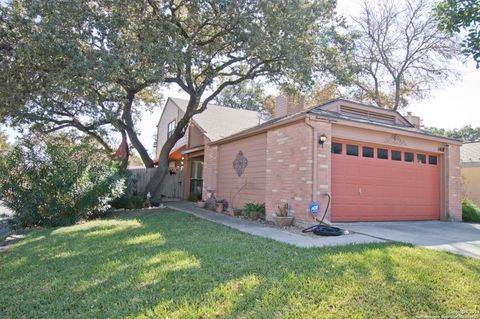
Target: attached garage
{"type": "Point", "coordinates": [378, 183]}
{"type": "Point", "coordinates": [376, 165]}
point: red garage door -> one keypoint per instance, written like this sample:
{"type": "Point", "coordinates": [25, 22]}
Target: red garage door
{"type": "Point", "coordinates": [377, 183]}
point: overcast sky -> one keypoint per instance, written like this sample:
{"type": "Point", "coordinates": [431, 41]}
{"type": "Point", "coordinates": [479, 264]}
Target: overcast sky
{"type": "Point", "coordinates": [449, 107]}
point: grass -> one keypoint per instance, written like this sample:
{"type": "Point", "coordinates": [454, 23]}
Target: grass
{"type": "Point", "coordinates": [174, 265]}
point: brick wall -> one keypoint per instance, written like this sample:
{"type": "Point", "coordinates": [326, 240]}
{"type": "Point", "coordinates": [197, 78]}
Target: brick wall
{"type": "Point", "coordinates": [290, 168]}
{"type": "Point", "coordinates": [454, 186]}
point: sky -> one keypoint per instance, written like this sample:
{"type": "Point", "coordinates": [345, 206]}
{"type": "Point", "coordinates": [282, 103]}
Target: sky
{"type": "Point", "coordinates": [448, 107]}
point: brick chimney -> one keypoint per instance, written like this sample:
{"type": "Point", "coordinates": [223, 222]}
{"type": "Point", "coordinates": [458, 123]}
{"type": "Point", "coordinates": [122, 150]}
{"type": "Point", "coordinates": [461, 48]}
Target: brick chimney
{"type": "Point", "coordinates": [285, 105]}
{"type": "Point", "coordinates": [414, 120]}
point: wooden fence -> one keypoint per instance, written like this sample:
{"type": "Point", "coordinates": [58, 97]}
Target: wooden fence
{"type": "Point", "coordinates": [171, 188]}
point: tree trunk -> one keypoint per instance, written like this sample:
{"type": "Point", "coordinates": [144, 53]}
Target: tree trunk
{"type": "Point", "coordinates": [124, 164]}
{"type": "Point", "coordinates": [161, 171]}
{"type": "Point", "coordinates": [128, 126]}
{"type": "Point", "coordinates": [397, 94]}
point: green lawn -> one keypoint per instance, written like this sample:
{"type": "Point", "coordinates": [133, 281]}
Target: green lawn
{"type": "Point", "coordinates": [174, 265]}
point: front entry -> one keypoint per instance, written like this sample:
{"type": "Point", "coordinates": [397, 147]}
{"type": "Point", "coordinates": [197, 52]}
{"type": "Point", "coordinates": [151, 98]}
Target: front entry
{"type": "Point", "coordinates": [196, 176]}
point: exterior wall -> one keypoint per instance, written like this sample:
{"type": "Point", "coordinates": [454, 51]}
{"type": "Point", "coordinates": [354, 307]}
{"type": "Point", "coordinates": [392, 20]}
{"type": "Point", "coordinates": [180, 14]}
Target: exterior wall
{"type": "Point", "coordinates": [471, 183]}
{"type": "Point", "coordinates": [170, 113]}
{"type": "Point", "coordinates": [195, 137]}
{"type": "Point", "coordinates": [453, 183]}
{"type": "Point", "coordinates": [290, 168]}
{"type": "Point", "coordinates": [250, 186]}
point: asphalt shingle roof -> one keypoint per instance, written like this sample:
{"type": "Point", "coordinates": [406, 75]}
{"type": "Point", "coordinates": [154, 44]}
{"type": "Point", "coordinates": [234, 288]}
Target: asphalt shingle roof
{"type": "Point", "coordinates": [470, 152]}
{"type": "Point", "coordinates": [218, 121]}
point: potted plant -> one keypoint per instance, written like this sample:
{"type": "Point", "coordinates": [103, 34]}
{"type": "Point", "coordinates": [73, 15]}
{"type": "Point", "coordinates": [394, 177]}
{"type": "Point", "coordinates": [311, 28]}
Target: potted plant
{"type": "Point", "coordinates": [219, 207]}
{"type": "Point", "coordinates": [254, 210]}
{"type": "Point", "coordinates": [281, 218]}
{"type": "Point", "coordinates": [201, 203]}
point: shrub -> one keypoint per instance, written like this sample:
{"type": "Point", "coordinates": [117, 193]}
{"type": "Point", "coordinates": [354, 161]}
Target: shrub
{"type": "Point", "coordinates": [470, 211]}
{"type": "Point", "coordinates": [254, 210]}
{"type": "Point", "coordinates": [55, 181]}
{"type": "Point", "coordinates": [127, 201]}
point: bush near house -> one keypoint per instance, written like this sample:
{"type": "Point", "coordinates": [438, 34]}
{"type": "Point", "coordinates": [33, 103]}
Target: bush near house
{"type": "Point", "coordinates": [56, 181]}
{"type": "Point", "coordinates": [470, 211]}
{"type": "Point", "coordinates": [254, 210]}
{"type": "Point", "coordinates": [128, 201]}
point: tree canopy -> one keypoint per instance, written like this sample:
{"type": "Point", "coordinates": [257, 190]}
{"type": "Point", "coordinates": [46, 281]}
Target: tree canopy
{"type": "Point", "coordinates": [86, 65]}
{"type": "Point", "coordinates": [4, 145]}
{"type": "Point", "coordinates": [94, 65]}
{"type": "Point", "coordinates": [466, 133]}
{"type": "Point", "coordinates": [248, 95]}
{"type": "Point", "coordinates": [455, 16]}
{"type": "Point", "coordinates": [395, 53]}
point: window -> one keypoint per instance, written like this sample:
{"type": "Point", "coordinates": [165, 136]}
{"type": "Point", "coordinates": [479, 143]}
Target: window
{"type": "Point", "coordinates": [352, 150]}
{"type": "Point", "coordinates": [170, 128]}
{"type": "Point", "coordinates": [421, 158]}
{"type": "Point", "coordinates": [432, 160]}
{"type": "Point", "coordinates": [336, 148]}
{"type": "Point", "coordinates": [408, 157]}
{"type": "Point", "coordinates": [367, 151]}
{"type": "Point", "coordinates": [396, 156]}
{"type": "Point", "coordinates": [382, 153]}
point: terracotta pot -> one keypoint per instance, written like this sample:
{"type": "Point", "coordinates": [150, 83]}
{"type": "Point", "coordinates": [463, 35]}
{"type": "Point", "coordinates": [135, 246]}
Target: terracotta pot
{"type": "Point", "coordinates": [219, 208]}
{"type": "Point", "coordinates": [283, 221]}
{"type": "Point", "coordinates": [201, 204]}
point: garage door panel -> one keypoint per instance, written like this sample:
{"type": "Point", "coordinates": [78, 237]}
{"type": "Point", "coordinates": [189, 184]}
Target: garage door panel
{"type": "Point", "coordinates": [371, 189]}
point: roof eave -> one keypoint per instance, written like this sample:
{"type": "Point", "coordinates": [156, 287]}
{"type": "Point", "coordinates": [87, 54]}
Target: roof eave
{"type": "Point", "coordinates": [435, 137]}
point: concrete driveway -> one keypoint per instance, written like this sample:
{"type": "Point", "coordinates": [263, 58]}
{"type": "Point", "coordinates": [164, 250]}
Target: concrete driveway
{"type": "Point", "coordinates": [458, 238]}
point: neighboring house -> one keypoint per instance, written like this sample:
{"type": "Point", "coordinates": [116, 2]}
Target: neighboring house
{"type": "Point", "coordinates": [470, 167]}
{"type": "Point", "coordinates": [215, 123]}
{"type": "Point", "coordinates": [374, 162]}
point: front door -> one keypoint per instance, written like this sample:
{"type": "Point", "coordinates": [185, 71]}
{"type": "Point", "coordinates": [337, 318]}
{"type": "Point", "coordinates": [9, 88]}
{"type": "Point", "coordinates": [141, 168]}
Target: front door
{"type": "Point", "coordinates": [196, 177]}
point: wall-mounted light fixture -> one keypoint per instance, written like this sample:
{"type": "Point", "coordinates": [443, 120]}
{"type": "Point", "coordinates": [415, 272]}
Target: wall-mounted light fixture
{"type": "Point", "coordinates": [322, 139]}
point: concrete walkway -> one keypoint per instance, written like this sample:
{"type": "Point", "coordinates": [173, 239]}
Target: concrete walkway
{"type": "Point", "coordinates": [280, 235]}
{"type": "Point", "coordinates": [454, 237]}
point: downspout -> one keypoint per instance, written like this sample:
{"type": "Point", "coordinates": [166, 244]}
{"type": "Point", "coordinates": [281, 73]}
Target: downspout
{"type": "Point", "coordinates": [314, 158]}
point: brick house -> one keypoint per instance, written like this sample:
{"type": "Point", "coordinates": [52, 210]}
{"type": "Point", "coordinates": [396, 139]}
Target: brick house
{"type": "Point", "coordinates": [376, 164]}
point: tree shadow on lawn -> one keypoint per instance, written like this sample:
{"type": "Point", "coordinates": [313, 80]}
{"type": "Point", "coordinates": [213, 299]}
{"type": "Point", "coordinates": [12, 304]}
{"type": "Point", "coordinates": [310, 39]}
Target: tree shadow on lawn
{"type": "Point", "coordinates": [175, 265]}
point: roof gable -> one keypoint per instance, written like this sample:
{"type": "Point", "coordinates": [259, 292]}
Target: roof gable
{"type": "Point", "coordinates": [169, 104]}
{"type": "Point", "coordinates": [217, 122]}
{"type": "Point", "coordinates": [364, 111]}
